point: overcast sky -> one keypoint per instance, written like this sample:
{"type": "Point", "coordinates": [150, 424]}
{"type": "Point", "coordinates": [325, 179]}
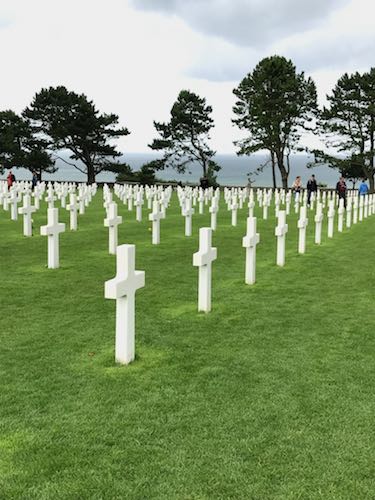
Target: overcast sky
{"type": "Point", "coordinates": [132, 57]}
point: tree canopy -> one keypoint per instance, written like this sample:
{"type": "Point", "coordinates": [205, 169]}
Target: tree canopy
{"type": "Point", "coordinates": [347, 125]}
{"type": "Point", "coordinates": [20, 146]}
{"type": "Point", "coordinates": [184, 139]}
{"type": "Point", "coordinates": [274, 105]}
{"type": "Point", "coordinates": [69, 121]}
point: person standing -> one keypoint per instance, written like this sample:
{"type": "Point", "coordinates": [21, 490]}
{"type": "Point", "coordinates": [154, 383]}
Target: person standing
{"type": "Point", "coordinates": [297, 186]}
{"type": "Point", "coordinates": [312, 187]}
{"type": "Point", "coordinates": [34, 180]}
{"type": "Point", "coordinates": [363, 188]}
{"type": "Point", "coordinates": [10, 179]}
{"type": "Point", "coordinates": [341, 190]}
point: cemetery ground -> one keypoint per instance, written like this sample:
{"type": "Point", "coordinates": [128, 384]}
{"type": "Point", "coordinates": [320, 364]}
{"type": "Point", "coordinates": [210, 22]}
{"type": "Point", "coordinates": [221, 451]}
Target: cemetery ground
{"type": "Point", "coordinates": [271, 395]}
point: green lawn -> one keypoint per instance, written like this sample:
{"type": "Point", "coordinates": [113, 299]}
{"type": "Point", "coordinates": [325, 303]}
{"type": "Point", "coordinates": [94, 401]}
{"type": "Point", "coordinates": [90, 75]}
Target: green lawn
{"type": "Point", "coordinates": [270, 396]}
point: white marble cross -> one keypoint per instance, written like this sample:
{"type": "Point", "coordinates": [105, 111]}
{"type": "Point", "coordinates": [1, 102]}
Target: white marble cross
{"type": "Point", "coordinates": [73, 208]}
{"type": "Point", "coordinates": [361, 206]}
{"type": "Point", "coordinates": [130, 201]}
{"type": "Point", "coordinates": [366, 208]}
{"type": "Point", "coordinates": [50, 198]}
{"type": "Point", "coordinates": [203, 260]}
{"type": "Point", "coordinates": [349, 213]}
{"type": "Point", "coordinates": [251, 206]}
{"type": "Point", "coordinates": [288, 200]}
{"type": "Point", "coordinates": [13, 200]}
{"type": "Point", "coordinates": [52, 230]}
{"type": "Point", "coordinates": [296, 203]}
{"type": "Point", "coordinates": [302, 225]}
{"type": "Point", "coordinates": [6, 197]}
{"type": "Point", "coordinates": [331, 217]}
{"type": "Point", "coordinates": [188, 214]}
{"type": "Point", "coordinates": [214, 208]}
{"type": "Point", "coordinates": [64, 194]}
{"type": "Point", "coordinates": [355, 210]}
{"type": "Point", "coordinates": [112, 221]}
{"type": "Point", "coordinates": [122, 288]}
{"type": "Point", "coordinates": [250, 242]}
{"type": "Point", "coordinates": [138, 203]}
{"type": "Point", "coordinates": [265, 207]}
{"type": "Point", "coordinates": [82, 204]}
{"type": "Point", "coordinates": [280, 232]}
{"type": "Point", "coordinates": [234, 208]}
{"type": "Point", "coordinates": [26, 211]}
{"type": "Point", "coordinates": [340, 219]}
{"type": "Point", "coordinates": [155, 217]}
{"type": "Point", "coordinates": [318, 223]}
{"type": "Point", "coordinates": [201, 201]}
{"type": "Point", "coordinates": [37, 195]}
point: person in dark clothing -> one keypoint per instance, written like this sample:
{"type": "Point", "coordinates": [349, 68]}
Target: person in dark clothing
{"type": "Point", "coordinates": [312, 187]}
{"type": "Point", "coordinates": [204, 183]}
{"type": "Point", "coordinates": [341, 190]}
{"type": "Point", "coordinates": [34, 180]}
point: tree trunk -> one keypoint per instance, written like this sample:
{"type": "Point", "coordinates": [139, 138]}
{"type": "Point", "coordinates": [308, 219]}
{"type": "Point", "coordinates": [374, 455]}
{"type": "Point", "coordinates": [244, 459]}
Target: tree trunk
{"type": "Point", "coordinates": [283, 170]}
{"type": "Point", "coordinates": [371, 182]}
{"type": "Point", "coordinates": [90, 174]}
{"type": "Point", "coordinates": [273, 169]}
{"type": "Point", "coordinates": [204, 168]}
{"type": "Point", "coordinates": [369, 173]}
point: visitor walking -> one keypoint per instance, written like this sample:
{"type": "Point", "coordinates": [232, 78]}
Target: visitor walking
{"type": "Point", "coordinates": [341, 190]}
{"type": "Point", "coordinates": [363, 188]}
{"type": "Point", "coordinates": [11, 179]}
{"type": "Point", "coordinates": [312, 187]}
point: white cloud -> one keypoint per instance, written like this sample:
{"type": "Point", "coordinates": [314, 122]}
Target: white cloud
{"type": "Point", "coordinates": [134, 63]}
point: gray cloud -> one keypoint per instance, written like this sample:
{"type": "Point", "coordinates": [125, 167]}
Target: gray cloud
{"type": "Point", "coordinates": [246, 22]}
{"type": "Point", "coordinates": [347, 54]}
{"type": "Point", "coordinates": [320, 52]}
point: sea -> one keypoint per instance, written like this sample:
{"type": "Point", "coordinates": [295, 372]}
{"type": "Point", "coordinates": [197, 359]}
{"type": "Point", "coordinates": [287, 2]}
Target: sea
{"type": "Point", "coordinates": [235, 171]}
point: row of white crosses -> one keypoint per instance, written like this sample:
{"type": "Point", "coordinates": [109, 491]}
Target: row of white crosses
{"type": "Point", "coordinates": [187, 195]}
{"type": "Point", "coordinates": [127, 281]}
{"type": "Point", "coordinates": [113, 220]}
{"type": "Point", "coordinates": [53, 228]}
{"type": "Point", "coordinates": [351, 212]}
{"type": "Point", "coordinates": [53, 192]}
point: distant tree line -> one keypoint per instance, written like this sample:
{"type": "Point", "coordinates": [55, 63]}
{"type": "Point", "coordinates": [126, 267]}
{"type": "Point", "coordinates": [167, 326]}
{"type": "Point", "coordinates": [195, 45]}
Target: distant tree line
{"type": "Point", "coordinates": [276, 107]}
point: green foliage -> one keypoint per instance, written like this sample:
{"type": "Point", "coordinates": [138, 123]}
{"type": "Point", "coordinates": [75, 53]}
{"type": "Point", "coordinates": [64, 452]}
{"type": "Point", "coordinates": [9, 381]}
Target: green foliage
{"type": "Point", "coordinates": [122, 170]}
{"type": "Point", "coordinates": [274, 104]}
{"type": "Point", "coordinates": [20, 146]}
{"type": "Point", "coordinates": [212, 169]}
{"type": "Point", "coordinates": [146, 174]}
{"type": "Point", "coordinates": [347, 125]}
{"type": "Point", "coordinates": [71, 122]}
{"type": "Point", "coordinates": [184, 139]}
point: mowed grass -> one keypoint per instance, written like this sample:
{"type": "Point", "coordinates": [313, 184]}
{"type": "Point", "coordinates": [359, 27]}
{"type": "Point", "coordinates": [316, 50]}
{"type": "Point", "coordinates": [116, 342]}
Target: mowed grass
{"type": "Point", "coordinates": [270, 396]}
